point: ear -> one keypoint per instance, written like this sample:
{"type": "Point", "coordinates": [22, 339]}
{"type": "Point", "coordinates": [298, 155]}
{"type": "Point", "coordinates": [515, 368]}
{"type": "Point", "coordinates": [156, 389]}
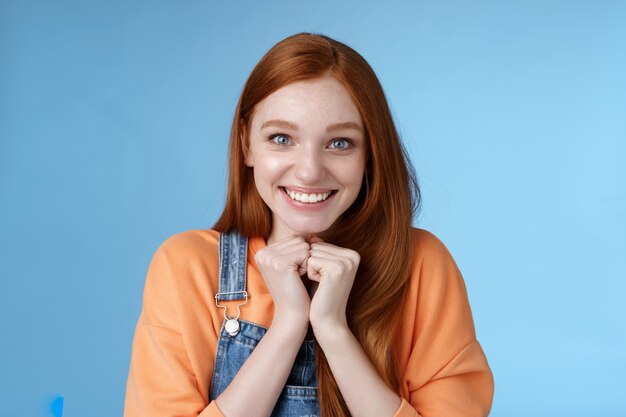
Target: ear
{"type": "Point", "coordinates": [247, 155]}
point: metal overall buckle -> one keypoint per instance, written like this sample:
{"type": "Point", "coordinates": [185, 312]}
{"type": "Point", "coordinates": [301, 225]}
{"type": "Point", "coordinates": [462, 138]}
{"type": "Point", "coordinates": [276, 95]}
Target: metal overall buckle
{"type": "Point", "coordinates": [231, 324]}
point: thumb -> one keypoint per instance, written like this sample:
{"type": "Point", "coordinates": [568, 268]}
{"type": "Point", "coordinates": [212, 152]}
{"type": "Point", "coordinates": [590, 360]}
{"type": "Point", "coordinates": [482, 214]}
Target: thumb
{"type": "Point", "coordinates": [313, 270]}
{"type": "Point", "coordinates": [302, 268]}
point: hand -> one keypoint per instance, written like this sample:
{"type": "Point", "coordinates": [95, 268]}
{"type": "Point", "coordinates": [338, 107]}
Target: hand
{"type": "Point", "coordinates": [281, 265]}
{"type": "Point", "coordinates": [334, 269]}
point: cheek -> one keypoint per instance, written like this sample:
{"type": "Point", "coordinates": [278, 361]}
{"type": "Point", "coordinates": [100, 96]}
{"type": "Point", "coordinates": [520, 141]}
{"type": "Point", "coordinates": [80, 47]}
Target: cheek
{"type": "Point", "coordinates": [267, 169]}
{"type": "Point", "coordinates": [352, 173]}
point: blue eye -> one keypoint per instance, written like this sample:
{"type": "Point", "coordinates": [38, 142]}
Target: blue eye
{"type": "Point", "coordinates": [280, 139]}
{"type": "Point", "coordinates": [340, 144]}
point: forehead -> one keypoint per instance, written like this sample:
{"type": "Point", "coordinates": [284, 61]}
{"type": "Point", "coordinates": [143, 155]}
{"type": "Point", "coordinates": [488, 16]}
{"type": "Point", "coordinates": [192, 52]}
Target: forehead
{"type": "Point", "coordinates": [322, 100]}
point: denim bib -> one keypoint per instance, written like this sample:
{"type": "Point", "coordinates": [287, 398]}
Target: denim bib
{"type": "Point", "coordinates": [238, 338]}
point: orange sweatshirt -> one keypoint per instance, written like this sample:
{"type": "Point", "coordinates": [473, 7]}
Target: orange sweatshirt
{"type": "Point", "coordinates": [445, 372]}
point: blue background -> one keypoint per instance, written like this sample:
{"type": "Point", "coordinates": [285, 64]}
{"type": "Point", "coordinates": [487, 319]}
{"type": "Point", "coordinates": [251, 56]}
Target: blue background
{"type": "Point", "coordinates": [114, 122]}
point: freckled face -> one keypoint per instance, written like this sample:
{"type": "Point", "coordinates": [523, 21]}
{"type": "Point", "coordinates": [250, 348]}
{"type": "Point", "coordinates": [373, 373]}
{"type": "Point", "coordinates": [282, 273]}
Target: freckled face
{"type": "Point", "coordinates": [308, 151]}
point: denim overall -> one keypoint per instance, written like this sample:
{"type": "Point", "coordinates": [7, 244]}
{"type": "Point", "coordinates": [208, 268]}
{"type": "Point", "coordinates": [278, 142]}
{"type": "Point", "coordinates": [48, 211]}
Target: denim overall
{"type": "Point", "coordinates": [238, 338]}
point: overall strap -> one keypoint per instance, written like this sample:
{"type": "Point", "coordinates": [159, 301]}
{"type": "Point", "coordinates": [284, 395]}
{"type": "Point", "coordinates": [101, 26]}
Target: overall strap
{"type": "Point", "coordinates": [233, 263]}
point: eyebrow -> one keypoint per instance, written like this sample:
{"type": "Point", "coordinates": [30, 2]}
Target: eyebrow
{"type": "Point", "coordinates": [292, 126]}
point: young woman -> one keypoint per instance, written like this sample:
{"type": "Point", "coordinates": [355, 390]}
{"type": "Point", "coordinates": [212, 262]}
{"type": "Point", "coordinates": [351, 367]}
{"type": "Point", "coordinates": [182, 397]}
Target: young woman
{"type": "Point", "coordinates": [313, 295]}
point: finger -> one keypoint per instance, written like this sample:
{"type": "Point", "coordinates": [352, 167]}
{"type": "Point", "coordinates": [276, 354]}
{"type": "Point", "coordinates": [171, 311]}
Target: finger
{"type": "Point", "coordinates": [322, 254]}
{"type": "Point", "coordinates": [302, 267]}
{"type": "Point", "coordinates": [315, 239]}
{"type": "Point", "coordinates": [288, 242]}
{"type": "Point", "coordinates": [314, 268]}
{"type": "Point", "coordinates": [289, 246]}
{"type": "Point", "coordinates": [314, 277]}
{"type": "Point", "coordinates": [290, 254]}
{"type": "Point", "coordinates": [297, 254]}
{"type": "Point", "coordinates": [298, 258]}
{"type": "Point", "coordinates": [335, 252]}
{"type": "Point", "coordinates": [327, 247]}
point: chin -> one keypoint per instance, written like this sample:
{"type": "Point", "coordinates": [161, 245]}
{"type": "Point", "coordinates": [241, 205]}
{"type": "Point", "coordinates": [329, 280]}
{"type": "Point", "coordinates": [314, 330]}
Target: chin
{"type": "Point", "coordinates": [308, 229]}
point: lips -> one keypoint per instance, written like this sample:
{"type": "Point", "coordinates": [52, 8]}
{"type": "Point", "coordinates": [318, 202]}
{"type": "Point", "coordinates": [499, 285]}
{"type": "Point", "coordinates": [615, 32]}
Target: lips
{"type": "Point", "coordinates": [310, 197]}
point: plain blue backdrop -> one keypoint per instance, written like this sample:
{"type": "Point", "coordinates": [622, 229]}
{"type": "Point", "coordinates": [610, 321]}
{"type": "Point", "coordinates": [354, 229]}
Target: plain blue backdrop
{"type": "Point", "coordinates": [114, 122]}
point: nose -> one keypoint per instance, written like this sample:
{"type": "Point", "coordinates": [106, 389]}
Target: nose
{"type": "Point", "coordinates": [310, 166]}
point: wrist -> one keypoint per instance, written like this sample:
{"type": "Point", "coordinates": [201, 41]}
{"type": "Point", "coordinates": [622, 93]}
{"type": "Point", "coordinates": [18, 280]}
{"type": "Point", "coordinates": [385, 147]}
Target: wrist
{"type": "Point", "coordinates": [328, 330]}
{"type": "Point", "coordinates": [290, 323]}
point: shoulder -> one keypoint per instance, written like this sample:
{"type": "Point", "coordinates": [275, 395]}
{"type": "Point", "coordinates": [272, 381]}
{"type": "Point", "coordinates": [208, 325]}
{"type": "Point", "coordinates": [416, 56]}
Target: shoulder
{"type": "Point", "coordinates": [182, 263]}
{"type": "Point", "coordinates": [434, 270]}
{"type": "Point", "coordinates": [428, 247]}
{"type": "Point", "coordinates": [190, 244]}
{"type": "Point", "coordinates": [191, 240]}
{"type": "Point", "coordinates": [187, 251]}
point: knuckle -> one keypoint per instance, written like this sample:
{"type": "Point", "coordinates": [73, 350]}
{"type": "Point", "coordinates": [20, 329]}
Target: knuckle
{"type": "Point", "coordinates": [259, 257]}
{"type": "Point", "coordinates": [275, 263]}
{"type": "Point", "coordinates": [355, 257]}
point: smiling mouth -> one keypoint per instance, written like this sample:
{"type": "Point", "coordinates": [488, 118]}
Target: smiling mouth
{"type": "Point", "coordinates": [307, 198]}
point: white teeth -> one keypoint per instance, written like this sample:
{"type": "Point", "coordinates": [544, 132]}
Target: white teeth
{"type": "Point", "coordinates": [307, 198]}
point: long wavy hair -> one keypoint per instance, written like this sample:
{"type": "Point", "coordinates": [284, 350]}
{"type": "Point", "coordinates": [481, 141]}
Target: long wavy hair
{"type": "Point", "coordinates": [377, 225]}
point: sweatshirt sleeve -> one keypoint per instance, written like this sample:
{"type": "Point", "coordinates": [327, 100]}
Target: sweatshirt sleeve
{"type": "Point", "coordinates": [161, 380]}
{"type": "Point", "coordinates": [446, 373]}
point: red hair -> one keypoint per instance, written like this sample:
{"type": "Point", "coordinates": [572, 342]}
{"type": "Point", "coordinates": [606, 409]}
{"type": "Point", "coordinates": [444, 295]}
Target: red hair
{"type": "Point", "coordinates": [377, 225]}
